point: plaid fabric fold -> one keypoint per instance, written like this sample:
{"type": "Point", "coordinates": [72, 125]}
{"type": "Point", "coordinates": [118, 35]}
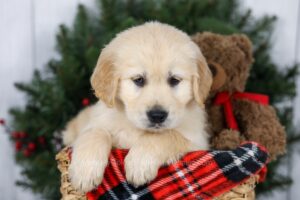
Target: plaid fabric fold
{"type": "Point", "coordinates": [198, 175]}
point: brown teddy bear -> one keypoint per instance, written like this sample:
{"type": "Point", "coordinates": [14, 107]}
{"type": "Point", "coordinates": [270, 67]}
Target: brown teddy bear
{"type": "Point", "coordinates": [236, 116]}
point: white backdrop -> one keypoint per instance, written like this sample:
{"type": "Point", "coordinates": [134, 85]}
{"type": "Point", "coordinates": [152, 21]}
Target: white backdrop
{"type": "Point", "coordinates": [27, 41]}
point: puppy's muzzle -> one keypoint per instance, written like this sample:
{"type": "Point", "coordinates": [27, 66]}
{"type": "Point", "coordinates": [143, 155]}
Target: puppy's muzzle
{"type": "Point", "coordinates": [157, 115]}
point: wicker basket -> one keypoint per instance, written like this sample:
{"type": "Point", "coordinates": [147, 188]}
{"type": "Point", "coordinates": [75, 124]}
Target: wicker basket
{"type": "Point", "coordinates": [244, 191]}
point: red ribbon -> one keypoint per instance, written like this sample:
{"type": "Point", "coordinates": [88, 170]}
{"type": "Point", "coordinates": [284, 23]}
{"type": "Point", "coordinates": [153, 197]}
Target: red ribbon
{"type": "Point", "coordinates": [224, 98]}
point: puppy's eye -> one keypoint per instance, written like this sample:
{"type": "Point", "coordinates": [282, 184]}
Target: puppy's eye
{"type": "Point", "coordinates": [173, 81]}
{"type": "Point", "coordinates": [139, 81]}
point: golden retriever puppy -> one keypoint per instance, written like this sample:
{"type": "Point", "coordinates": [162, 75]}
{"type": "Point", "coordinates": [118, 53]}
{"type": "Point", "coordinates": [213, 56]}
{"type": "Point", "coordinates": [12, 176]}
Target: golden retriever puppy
{"type": "Point", "coordinates": [152, 81]}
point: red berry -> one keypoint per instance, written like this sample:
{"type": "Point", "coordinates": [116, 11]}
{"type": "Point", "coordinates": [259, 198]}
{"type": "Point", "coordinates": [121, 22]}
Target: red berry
{"type": "Point", "coordinates": [15, 135]}
{"type": "Point", "coordinates": [31, 146]}
{"type": "Point", "coordinates": [18, 145]}
{"type": "Point", "coordinates": [42, 140]}
{"type": "Point", "coordinates": [23, 135]}
{"type": "Point", "coordinates": [26, 152]}
{"type": "Point", "coordinates": [85, 102]}
{"type": "Point", "coordinates": [2, 121]}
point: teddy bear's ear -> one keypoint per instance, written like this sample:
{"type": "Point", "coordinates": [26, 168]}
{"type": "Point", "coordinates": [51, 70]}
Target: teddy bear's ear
{"type": "Point", "coordinates": [245, 45]}
{"type": "Point", "coordinates": [219, 75]}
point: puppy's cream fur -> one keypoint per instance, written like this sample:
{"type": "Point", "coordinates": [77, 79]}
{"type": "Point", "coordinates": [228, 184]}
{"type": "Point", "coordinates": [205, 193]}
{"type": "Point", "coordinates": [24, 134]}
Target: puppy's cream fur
{"type": "Point", "coordinates": [155, 51]}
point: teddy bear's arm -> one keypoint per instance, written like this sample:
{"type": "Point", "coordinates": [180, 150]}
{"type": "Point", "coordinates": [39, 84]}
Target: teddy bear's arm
{"type": "Point", "coordinates": [227, 139]}
{"type": "Point", "coordinates": [222, 138]}
{"type": "Point", "coordinates": [260, 123]}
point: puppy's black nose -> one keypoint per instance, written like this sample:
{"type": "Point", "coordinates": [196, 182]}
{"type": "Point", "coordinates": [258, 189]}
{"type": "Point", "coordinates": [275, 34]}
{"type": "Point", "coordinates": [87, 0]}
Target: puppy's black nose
{"type": "Point", "coordinates": [157, 115]}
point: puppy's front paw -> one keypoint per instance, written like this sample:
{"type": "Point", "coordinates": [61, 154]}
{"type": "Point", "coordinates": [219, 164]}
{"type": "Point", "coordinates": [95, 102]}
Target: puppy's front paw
{"type": "Point", "coordinates": [86, 171]}
{"type": "Point", "coordinates": [141, 167]}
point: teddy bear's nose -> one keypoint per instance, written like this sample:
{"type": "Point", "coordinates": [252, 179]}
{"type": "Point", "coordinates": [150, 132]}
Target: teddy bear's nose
{"type": "Point", "coordinates": [157, 115]}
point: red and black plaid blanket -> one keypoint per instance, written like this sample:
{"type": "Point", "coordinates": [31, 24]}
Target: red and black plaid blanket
{"type": "Point", "coordinates": [198, 175]}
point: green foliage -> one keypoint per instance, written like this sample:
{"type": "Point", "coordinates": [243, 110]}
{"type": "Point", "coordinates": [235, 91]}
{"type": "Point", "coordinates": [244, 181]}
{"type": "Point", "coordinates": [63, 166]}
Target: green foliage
{"type": "Point", "coordinates": [55, 94]}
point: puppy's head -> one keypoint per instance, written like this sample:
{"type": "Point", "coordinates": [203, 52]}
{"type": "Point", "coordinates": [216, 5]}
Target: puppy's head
{"type": "Point", "coordinates": [156, 72]}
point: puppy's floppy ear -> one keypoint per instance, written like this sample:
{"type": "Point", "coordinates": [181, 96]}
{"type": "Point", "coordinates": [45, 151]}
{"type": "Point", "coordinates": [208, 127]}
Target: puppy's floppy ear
{"type": "Point", "coordinates": [104, 80]}
{"type": "Point", "coordinates": [202, 82]}
{"type": "Point", "coordinates": [219, 75]}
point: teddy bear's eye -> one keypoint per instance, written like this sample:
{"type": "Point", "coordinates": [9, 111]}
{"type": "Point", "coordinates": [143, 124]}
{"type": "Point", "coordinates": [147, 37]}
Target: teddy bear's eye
{"type": "Point", "coordinates": [139, 81]}
{"type": "Point", "coordinates": [173, 81]}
